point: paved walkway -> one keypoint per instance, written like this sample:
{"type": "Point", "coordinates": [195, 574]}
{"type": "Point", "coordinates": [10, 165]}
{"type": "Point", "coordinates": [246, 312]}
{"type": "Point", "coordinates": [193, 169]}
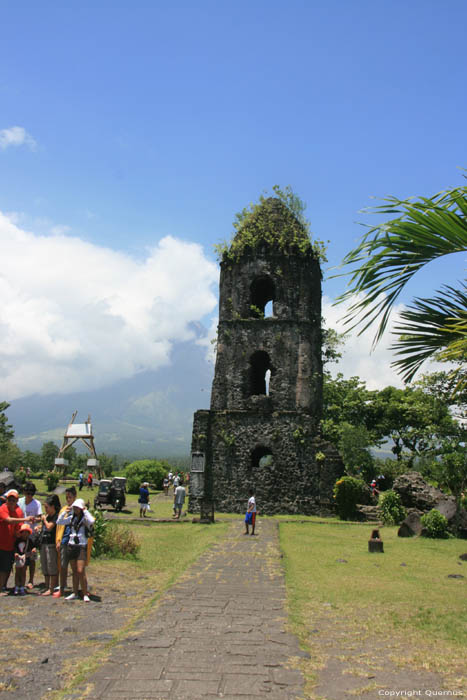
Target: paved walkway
{"type": "Point", "coordinates": [218, 633]}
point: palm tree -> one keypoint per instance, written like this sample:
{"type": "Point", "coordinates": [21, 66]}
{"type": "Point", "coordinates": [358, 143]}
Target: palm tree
{"type": "Point", "coordinates": [388, 256]}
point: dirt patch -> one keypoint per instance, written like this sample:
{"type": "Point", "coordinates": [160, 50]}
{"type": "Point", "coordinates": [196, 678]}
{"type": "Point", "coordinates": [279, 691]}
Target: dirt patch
{"type": "Point", "coordinates": [43, 641]}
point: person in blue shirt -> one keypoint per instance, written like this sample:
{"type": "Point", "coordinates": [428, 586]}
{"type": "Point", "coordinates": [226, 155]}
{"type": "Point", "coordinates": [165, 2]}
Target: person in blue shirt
{"type": "Point", "coordinates": [143, 499]}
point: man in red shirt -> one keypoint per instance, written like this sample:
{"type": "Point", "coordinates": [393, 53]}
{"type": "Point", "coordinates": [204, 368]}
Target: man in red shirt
{"type": "Point", "coordinates": [10, 518]}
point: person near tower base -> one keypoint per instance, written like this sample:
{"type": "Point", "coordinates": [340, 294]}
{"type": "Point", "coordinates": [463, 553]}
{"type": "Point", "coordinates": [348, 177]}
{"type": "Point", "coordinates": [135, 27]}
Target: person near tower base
{"type": "Point", "coordinates": [250, 516]}
{"type": "Point", "coordinates": [179, 499]}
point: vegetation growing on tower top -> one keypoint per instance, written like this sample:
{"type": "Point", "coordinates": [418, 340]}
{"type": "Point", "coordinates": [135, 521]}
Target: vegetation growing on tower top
{"type": "Point", "coordinates": [277, 221]}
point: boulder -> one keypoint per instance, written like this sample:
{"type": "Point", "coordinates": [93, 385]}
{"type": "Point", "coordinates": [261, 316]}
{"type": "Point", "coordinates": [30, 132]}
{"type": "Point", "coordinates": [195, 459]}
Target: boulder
{"type": "Point", "coordinates": [417, 494]}
{"type": "Point", "coordinates": [411, 526]}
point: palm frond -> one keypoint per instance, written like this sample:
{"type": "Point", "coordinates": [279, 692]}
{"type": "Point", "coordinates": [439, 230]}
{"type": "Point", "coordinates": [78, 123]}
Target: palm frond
{"type": "Point", "coordinates": [430, 326]}
{"type": "Point", "coordinates": [390, 254]}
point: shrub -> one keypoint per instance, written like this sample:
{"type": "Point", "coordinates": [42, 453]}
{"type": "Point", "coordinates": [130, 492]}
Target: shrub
{"type": "Point", "coordinates": [100, 527]}
{"type": "Point", "coordinates": [435, 525]}
{"type": "Point", "coordinates": [392, 510]}
{"type": "Point", "coordinates": [113, 539]}
{"type": "Point", "coordinates": [145, 470]}
{"type": "Point", "coordinates": [348, 491]}
{"type": "Point", "coordinates": [52, 480]}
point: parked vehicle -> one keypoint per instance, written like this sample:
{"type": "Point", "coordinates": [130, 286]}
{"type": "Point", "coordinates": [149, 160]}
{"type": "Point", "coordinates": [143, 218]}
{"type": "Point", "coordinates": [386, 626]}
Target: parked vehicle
{"type": "Point", "coordinates": [111, 493]}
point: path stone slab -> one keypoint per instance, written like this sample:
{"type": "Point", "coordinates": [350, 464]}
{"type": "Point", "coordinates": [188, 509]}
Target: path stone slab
{"type": "Point", "coordinates": [219, 632]}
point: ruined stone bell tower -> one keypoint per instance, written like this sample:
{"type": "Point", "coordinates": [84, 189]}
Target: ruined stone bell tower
{"type": "Point", "coordinates": [262, 429]}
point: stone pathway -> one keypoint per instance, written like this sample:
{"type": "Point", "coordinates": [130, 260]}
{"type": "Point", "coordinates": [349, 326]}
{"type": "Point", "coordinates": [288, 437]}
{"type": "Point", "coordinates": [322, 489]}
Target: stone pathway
{"type": "Point", "coordinates": [218, 633]}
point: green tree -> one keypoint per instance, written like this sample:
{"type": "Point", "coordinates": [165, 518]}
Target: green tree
{"type": "Point", "coordinates": [10, 456]}
{"type": "Point", "coordinates": [416, 422]}
{"type": "Point", "coordinates": [150, 470]}
{"type": "Point", "coordinates": [49, 451]}
{"type": "Point", "coordinates": [387, 258]}
{"type": "Point", "coordinates": [107, 464]}
{"type": "Point", "coordinates": [6, 431]}
{"type": "Point", "coordinates": [30, 460]}
{"type": "Point", "coordinates": [351, 422]}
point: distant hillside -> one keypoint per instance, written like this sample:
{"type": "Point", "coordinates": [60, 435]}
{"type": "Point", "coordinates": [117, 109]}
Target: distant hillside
{"type": "Point", "coordinates": [150, 414]}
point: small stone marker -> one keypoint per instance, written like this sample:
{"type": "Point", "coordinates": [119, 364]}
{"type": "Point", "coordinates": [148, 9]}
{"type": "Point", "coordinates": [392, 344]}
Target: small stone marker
{"type": "Point", "coordinates": [375, 543]}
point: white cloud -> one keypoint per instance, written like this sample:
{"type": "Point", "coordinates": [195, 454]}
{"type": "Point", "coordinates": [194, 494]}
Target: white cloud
{"type": "Point", "coordinates": [16, 136]}
{"type": "Point", "coordinates": [76, 316]}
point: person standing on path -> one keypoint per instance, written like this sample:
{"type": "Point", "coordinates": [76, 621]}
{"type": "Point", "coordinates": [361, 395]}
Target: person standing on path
{"type": "Point", "coordinates": [143, 499]}
{"type": "Point", "coordinates": [62, 537]}
{"type": "Point", "coordinates": [30, 506]}
{"type": "Point", "coordinates": [49, 558]}
{"type": "Point", "coordinates": [179, 499]}
{"type": "Point", "coordinates": [10, 519]}
{"type": "Point", "coordinates": [81, 522]}
{"type": "Point", "coordinates": [250, 517]}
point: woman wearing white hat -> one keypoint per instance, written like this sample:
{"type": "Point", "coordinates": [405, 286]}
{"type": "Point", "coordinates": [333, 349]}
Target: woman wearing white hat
{"type": "Point", "coordinates": [81, 522]}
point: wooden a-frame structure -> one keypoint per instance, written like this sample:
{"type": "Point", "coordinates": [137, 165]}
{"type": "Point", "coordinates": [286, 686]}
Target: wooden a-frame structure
{"type": "Point", "coordinates": [73, 433]}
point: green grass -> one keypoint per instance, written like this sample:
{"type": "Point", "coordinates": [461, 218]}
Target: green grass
{"type": "Point", "coordinates": [404, 592]}
{"type": "Point", "coordinates": [168, 548]}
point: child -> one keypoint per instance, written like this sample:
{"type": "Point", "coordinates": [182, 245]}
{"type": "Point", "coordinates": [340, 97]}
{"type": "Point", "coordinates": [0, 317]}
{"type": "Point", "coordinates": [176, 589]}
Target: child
{"type": "Point", "coordinates": [81, 522]}
{"type": "Point", "coordinates": [250, 517]}
{"type": "Point", "coordinates": [49, 559]}
{"type": "Point", "coordinates": [23, 551]}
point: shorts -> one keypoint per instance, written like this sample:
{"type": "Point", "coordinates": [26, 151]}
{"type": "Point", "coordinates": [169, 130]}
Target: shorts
{"type": "Point", "coordinates": [77, 552]}
{"type": "Point", "coordinates": [6, 560]}
{"type": "Point", "coordinates": [49, 560]}
{"type": "Point", "coordinates": [250, 518]}
{"type": "Point", "coordinates": [144, 506]}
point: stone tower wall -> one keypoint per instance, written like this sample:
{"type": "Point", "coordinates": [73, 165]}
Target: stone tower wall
{"type": "Point", "coordinates": [257, 434]}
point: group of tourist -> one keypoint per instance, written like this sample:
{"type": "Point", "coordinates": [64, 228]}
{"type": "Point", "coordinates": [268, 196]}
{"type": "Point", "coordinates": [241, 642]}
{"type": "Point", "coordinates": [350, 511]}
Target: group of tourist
{"type": "Point", "coordinates": [179, 492]}
{"type": "Point", "coordinates": [61, 536]}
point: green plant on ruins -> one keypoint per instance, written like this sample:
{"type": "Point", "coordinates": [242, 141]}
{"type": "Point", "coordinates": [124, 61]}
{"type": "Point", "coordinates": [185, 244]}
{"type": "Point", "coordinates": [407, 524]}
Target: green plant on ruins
{"type": "Point", "coordinates": [348, 491]}
{"type": "Point", "coordinates": [285, 228]}
{"type": "Point", "coordinates": [391, 509]}
{"type": "Point", "coordinates": [435, 525]}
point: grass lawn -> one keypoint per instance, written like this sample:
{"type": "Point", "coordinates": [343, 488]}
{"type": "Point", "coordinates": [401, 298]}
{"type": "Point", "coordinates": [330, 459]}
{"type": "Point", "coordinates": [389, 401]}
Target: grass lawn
{"type": "Point", "coordinates": [403, 594]}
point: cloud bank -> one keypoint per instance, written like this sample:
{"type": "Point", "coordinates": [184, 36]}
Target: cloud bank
{"type": "Point", "coordinates": [75, 316]}
{"type": "Point", "coordinates": [16, 136]}
{"type": "Point", "coordinates": [358, 359]}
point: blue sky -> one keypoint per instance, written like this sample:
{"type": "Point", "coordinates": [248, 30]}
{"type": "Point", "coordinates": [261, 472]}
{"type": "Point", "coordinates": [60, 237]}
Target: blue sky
{"type": "Point", "coordinates": [145, 126]}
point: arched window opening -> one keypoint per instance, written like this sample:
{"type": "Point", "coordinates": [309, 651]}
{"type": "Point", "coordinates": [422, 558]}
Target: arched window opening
{"type": "Point", "coordinates": [261, 371]}
{"type": "Point", "coordinates": [262, 294]}
{"type": "Point", "coordinates": [261, 457]}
